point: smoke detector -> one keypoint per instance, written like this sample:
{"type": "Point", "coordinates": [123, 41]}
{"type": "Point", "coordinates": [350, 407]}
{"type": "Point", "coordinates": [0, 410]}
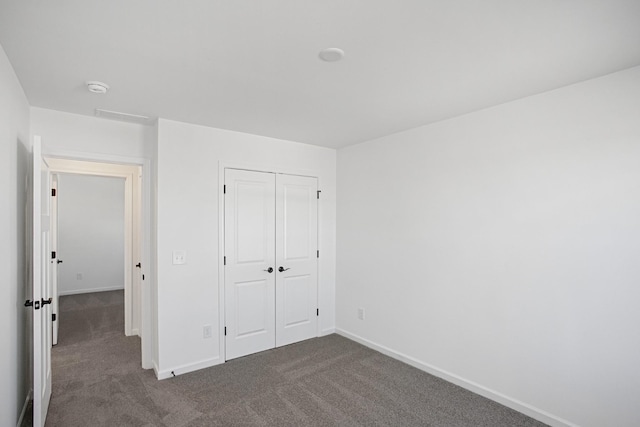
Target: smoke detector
{"type": "Point", "coordinates": [331, 54]}
{"type": "Point", "coordinates": [97, 87]}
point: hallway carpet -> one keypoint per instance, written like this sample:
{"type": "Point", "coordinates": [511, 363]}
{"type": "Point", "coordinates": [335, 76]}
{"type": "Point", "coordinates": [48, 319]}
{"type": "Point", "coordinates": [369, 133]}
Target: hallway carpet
{"type": "Point", "coordinates": [329, 381]}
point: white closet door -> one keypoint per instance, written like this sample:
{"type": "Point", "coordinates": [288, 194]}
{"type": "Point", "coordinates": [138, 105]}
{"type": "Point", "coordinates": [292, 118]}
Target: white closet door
{"type": "Point", "coordinates": [296, 258]}
{"type": "Point", "coordinates": [250, 253]}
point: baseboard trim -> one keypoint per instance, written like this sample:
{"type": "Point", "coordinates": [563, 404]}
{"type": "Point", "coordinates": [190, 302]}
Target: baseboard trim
{"type": "Point", "coordinates": [90, 291]}
{"type": "Point", "coordinates": [183, 369]}
{"type": "Point", "coordinates": [326, 332]}
{"type": "Point", "coordinates": [156, 370]}
{"type": "Point", "coordinates": [24, 408]}
{"type": "Point", "coordinates": [507, 401]}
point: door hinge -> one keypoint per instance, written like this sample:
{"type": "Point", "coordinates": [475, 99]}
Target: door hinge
{"type": "Point", "coordinates": [53, 254]}
{"type": "Point", "coordinates": [53, 317]}
{"type": "Point", "coordinates": [36, 305]}
{"type": "Point", "coordinates": [53, 192]}
{"type": "Point", "coordinates": [317, 312]}
{"type": "Point", "coordinates": [318, 194]}
{"type": "Point", "coordinates": [225, 331]}
{"type": "Point", "coordinates": [143, 277]}
{"type": "Point", "coordinates": [224, 189]}
{"type": "Point", "coordinates": [225, 260]}
{"type": "Point", "coordinates": [318, 254]}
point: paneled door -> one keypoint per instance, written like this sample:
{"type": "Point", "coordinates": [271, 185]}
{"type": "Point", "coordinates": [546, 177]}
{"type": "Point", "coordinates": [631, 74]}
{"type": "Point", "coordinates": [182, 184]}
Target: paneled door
{"type": "Point", "coordinates": [249, 262]}
{"type": "Point", "coordinates": [271, 278]}
{"type": "Point", "coordinates": [296, 258]}
{"type": "Point", "coordinates": [41, 275]}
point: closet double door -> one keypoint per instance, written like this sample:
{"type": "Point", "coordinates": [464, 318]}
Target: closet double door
{"type": "Point", "coordinates": [271, 265]}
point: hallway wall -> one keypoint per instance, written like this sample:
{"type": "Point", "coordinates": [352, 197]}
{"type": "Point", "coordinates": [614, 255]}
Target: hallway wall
{"type": "Point", "coordinates": [91, 233]}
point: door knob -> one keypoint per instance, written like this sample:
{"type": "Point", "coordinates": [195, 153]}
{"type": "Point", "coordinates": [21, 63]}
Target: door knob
{"type": "Point", "coordinates": [59, 261]}
{"type": "Point", "coordinates": [281, 269]}
{"type": "Point", "coordinates": [46, 301]}
{"type": "Point", "coordinates": [269, 270]}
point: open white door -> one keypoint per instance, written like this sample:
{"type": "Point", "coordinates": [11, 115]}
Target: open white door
{"type": "Point", "coordinates": [296, 258]}
{"type": "Point", "coordinates": [56, 261]}
{"type": "Point", "coordinates": [41, 261]}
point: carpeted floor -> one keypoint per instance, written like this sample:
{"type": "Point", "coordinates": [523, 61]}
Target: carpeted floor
{"type": "Point", "coordinates": [329, 381]}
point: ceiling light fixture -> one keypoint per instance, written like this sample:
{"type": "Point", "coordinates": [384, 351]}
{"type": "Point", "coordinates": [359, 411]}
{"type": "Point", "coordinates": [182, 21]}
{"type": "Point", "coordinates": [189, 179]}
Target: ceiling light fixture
{"type": "Point", "coordinates": [331, 54]}
{"type": "Point", "coordinates": [97, 87]}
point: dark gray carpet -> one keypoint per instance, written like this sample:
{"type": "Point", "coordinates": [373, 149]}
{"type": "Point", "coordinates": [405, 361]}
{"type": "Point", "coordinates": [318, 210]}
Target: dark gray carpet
{"type": "Point", "coordinates": [329, 381]}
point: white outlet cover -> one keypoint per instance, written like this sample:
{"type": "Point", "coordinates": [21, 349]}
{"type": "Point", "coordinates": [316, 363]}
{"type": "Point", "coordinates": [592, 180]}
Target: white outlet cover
{"type": "Point", "coordinates": [179, 257]}
{"type": "Point", "coordinates": [206, 331]}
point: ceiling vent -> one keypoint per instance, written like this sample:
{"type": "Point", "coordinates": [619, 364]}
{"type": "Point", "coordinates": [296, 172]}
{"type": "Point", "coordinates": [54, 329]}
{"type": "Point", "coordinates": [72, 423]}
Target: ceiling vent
{"type": "Point", "coordinates": [124, 117]}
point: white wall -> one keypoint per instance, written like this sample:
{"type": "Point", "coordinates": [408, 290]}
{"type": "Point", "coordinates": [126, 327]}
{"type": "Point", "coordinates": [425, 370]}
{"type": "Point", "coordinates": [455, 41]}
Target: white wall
{"type": "Point", "coordinates": [15, 319]}
{"type": "Point", "coordinates": [188, 190]}
{"type": "Point", "coordinates": [90, 233]}
{"type": "Point", "coordinates": [503, 247]}
{"type": "Point", "coordinates": [75, 134]}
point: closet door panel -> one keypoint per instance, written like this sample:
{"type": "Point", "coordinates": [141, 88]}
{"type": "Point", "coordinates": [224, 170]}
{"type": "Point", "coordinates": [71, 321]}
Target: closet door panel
{"type": "Point", "coordinates": [296, 258]}
{"type": "Point", "coordinates": [250, 253]}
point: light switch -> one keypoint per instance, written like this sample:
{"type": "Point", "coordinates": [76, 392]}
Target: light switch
{"type": "Point", "coordinates": [179, 257]}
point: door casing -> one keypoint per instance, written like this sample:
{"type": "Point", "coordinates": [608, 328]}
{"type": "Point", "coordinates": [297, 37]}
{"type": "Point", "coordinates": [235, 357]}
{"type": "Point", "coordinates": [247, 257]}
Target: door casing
{"type": "Point", "coordinates": [132, 250]}
{"type": "Point", "coordinates": [147, 330]}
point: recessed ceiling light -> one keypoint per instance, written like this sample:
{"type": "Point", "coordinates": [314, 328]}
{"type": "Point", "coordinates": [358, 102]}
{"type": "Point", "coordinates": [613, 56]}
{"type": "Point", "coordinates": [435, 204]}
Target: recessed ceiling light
{"type": "Point", "coordinates": [331, 54]}
{"type": "Point", "coordinates": [97, 87]}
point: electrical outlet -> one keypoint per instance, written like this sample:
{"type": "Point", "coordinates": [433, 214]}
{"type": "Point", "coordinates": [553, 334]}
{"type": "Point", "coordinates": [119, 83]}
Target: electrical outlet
{"type": "Point", "coordinates": [361, 313]}
{"type": "Point", "coordinates": [79, 276]}
{"type": "Point", "coordinates": [206, 331]}
{"type": "Point", "coordinates": [179, 257]}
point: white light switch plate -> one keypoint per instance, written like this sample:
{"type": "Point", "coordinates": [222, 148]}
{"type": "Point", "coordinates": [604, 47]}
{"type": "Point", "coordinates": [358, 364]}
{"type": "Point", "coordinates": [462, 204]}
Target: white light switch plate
{"type": "Point", "coordinates": [179, 257]}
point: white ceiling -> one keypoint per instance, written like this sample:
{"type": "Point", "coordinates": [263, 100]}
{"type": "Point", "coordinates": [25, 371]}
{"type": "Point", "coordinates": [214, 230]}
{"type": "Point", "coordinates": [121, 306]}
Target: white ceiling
{"type": "Point", "coordinates": [252, 65]}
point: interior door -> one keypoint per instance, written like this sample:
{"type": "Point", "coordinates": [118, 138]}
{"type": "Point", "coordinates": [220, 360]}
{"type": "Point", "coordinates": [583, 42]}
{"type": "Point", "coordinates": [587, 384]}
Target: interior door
{"type": "Point", "coordinates": [55, 312]}
{"type": "Point", "coordinates": [41, 256]}
{"type": "Point", "coordinates": [249, 262]}
{"type": "Point", "coordinates": [296, 258]}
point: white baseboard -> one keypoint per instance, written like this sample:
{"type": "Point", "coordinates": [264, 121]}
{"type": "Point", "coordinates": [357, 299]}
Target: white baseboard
{"type": "Point", "coordinates": [24, 408]}
{"type": "Point", "coordinates": [326, 332]}
{"type": "Point", "coordinates": [90, 291]}
{"type": "Point", "coordinates": [507, 401]}
{"type": "Point", "coordinates": [183, 369]}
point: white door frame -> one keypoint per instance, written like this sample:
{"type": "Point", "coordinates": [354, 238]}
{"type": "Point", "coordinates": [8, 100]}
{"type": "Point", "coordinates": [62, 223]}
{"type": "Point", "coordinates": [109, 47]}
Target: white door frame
{"type": "Point", "coordinates": [56, 262]}
{"type": "Point", "coordinates": [142, 209]}
{"type": "Point", "coordinates": [222, 165]}
{"type": "Point", "coordinates": [131, 175]}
